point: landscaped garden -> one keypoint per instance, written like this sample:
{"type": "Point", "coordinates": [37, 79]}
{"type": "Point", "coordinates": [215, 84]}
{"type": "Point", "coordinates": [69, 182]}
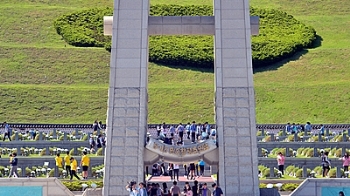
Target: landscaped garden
{"type": "Point", "coordinates": [48, 80]}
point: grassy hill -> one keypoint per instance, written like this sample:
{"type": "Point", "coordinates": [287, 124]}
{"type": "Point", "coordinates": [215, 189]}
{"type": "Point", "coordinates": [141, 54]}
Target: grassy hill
{"type": "Point", "coordinates": [42, 79]}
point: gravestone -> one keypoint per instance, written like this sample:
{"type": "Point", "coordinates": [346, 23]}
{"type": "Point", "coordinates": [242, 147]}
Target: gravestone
{"type": "Point", "coordinates": [126, 128]}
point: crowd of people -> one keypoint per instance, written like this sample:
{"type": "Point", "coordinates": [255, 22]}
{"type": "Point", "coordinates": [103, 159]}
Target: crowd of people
{"type": "Point", "coordinates": [296, 128]}
{"type": "Point", "coordinates": [192, 170]}
{"type": "Point", "coordinates": [192, 131]}
{"type": "Point", "coordinates": [154, 189]}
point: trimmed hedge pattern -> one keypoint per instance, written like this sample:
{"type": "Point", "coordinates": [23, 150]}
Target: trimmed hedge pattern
{"type": "Point", "coordinates": [281, 36]}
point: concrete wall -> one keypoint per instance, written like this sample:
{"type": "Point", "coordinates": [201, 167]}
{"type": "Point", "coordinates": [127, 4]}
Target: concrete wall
{"type": "Point", "coordinates": [50, 186]}
{"type": "Point", "coordinates": [314, 186]}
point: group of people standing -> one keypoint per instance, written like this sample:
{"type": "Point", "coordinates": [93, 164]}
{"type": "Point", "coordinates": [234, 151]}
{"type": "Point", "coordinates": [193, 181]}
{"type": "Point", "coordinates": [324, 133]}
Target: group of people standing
{"type": "Point", "coordinates": [195, 132]}
{"type": "Point", "coordinates": [154, 189]}
{"type": "Point", "coordinates": [71, 165]}
{"type": "Point", "coordinates": [192, 170]}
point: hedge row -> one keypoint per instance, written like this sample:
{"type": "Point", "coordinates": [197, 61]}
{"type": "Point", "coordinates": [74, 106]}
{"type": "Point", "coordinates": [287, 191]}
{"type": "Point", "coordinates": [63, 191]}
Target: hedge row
{"type": "Point", "coordinates": [281, 36]}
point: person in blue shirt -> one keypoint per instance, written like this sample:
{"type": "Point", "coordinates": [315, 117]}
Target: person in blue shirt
{"type": "Point", "coordinates": [201, 164]}
{"type": "Point", "coordinates": [308, 127]}
{"type": "Point", "coordinates": [217, 190]}
{"type": "Point", "coordinates": [288, 128]}
{"type": "Point", "coordinates": [321, 130]}
{"type": "Point", "coordinates": [193, 129]}
{"type": "Point", "coordinates": [7, 131]}
{"type": "Point", "coordinates": [180, 130]}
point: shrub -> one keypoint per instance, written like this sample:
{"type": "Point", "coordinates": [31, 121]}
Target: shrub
{"type": "Point", "coordinates": [289, 187]}
{"type": "Point", "coordinates": [290, 169]}
{"type": "Point", "coordinates": [76, 185]}
{"type": "Point", "coordinates": [299, 173]}
{"type": "Point", "coordinates": [281, 36]}
{"type": "Point", "coordinates": [99, 152]}
{"type": "Point", "coordinates": [85, 138]}
{"type": "Point", "coordinates": [310, 152]}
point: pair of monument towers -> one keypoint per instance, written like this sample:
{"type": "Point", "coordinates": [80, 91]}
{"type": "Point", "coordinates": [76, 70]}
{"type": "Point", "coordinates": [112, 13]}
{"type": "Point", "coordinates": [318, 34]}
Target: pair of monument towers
{"type": "Point", "coordinates": [130, 28]}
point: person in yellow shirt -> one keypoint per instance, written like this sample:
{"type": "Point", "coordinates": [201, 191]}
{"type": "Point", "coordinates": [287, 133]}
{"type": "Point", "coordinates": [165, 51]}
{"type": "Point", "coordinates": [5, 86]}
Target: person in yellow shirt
{"type": "Point", "coordinates": [67, 163]}
{"type": "Point", "coordinates": [58, 161]}
{"type": "Point", "coordinates": [73, 166]}
{"type": "Point", "coordinates": [85, 162]}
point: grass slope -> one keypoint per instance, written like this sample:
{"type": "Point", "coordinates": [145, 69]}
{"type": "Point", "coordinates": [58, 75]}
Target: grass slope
{"type": "Point", "coordinates": [45, 80]}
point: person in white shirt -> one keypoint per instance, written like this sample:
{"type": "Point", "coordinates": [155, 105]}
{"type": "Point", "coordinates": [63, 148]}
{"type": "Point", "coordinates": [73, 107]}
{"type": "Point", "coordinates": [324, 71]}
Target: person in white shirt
{"type": "Point", "coordinates": [176, 172]}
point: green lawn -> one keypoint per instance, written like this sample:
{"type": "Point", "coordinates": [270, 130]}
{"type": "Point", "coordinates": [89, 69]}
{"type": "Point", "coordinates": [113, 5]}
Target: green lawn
{"type": "Point", "coordinates": [44, 80]}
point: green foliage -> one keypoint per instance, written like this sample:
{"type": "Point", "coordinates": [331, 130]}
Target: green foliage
{"type": "Point", "coordinates": [289, 186]}
{"type": "Point", "coordinates": [76, 185]}
{"type": "Point", "coordinates": [281, 35]}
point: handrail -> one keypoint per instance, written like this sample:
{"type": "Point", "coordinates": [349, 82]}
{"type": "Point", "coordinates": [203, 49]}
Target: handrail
{"type": "Point", "coordinates": [89, 126]}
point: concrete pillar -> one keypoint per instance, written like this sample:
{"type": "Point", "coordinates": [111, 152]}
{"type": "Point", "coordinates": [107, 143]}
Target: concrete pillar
{"type": "Point", "coordinates": [338, 174]}
{"type": "Point", "coordinates": [234, 99]}
{"type": "Point", "coordinates": [296, 137]}
{"type": "Point", "coordinates": [65, 136]}
{"type": "Point", "coordinates": [343, 150]}
{"type": "Point", "coordinates": [272, 171]}
{"type": "Point", "coordinates": [262, 132]}
{"type": "Point", "coordinates": [319, 138]}
{"type": "Point", "coordinates": [315, 152]}
{"type": "Point", "coordinates": [76, 133]}
{"type": "Point", "coordinates": [272, 137]}
{"type": "Point", "coordinates": [284, 132]}
{"type": "Point", "coordinates": [54, 134]}
{"type": "Point", "coordinates": [260, 152]}
{"type": "Point", "coordinates": [19, 151]}
{"type": "Point", "coordinates": [344, 138]}
{"type": "Point", "coordinates": [349, 132]}
{"type": "Point", "coordinates": [47, 151]}
{"type": "Point", "coordinates": [16, 136]}
{"type": "Point", "coordinates": [40, 136]}
{"type": "Point", "coordinates": [287, 152]}
{"type": "Point", "coordinates": [327, 132]}
{"type": "Point", "coordinates": [127, 97]}
{"type": "Point", "coordinates": [304, 172]}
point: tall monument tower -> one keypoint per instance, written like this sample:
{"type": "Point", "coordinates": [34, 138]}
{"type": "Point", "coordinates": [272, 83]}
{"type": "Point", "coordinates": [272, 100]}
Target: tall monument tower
{"type": "Point", "coordinates": [232, 27]}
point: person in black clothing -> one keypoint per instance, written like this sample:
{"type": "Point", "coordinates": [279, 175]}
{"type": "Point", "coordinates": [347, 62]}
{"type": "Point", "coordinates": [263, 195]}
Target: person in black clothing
{"type": "Point", "coordinates": [195, 188]}
{"type": "Point", "coordinates": [13, 165]}
{"type": "Point", "coordinates": [217, 190]}
{"type": "Point", "coordinates": [192, 168]}
{"type": "Point", "coordinates": [100, 141]}
{"type": "Point", "coordinates": [153, 191]}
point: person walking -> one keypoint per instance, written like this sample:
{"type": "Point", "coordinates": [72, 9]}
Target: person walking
{"type": "Point", "coordinates": [280, 162]}
{"type": "Point", "coordinates": [74, 166]}
{"type": "Point", "coordinates": [85, 162]}
{"type": "Point", "coordinates": [7, 132]}
{"type": "Point", "coordinates": [201, 164]}
{"type": "Point", "coordinates": [175, 190]}
{"type": "Point", "coordinates": [346, 161]}
{"type": "Point", "coordinates": [58, 161]}
{"type": "Point", "coordinates": [170, 170]}
{"type": "Point", "coordinates": [67, 164]}
{"type": "Point", "coordinates": [326, 164]}
{"type": "Point", "coordinates": [176, 171]}
{"type": "Point", "coordinates": [204, 191]}
{"type": "Point", "coordinates": [13, 165]}
{"type": "Point", "coordinates": [217, 190]}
